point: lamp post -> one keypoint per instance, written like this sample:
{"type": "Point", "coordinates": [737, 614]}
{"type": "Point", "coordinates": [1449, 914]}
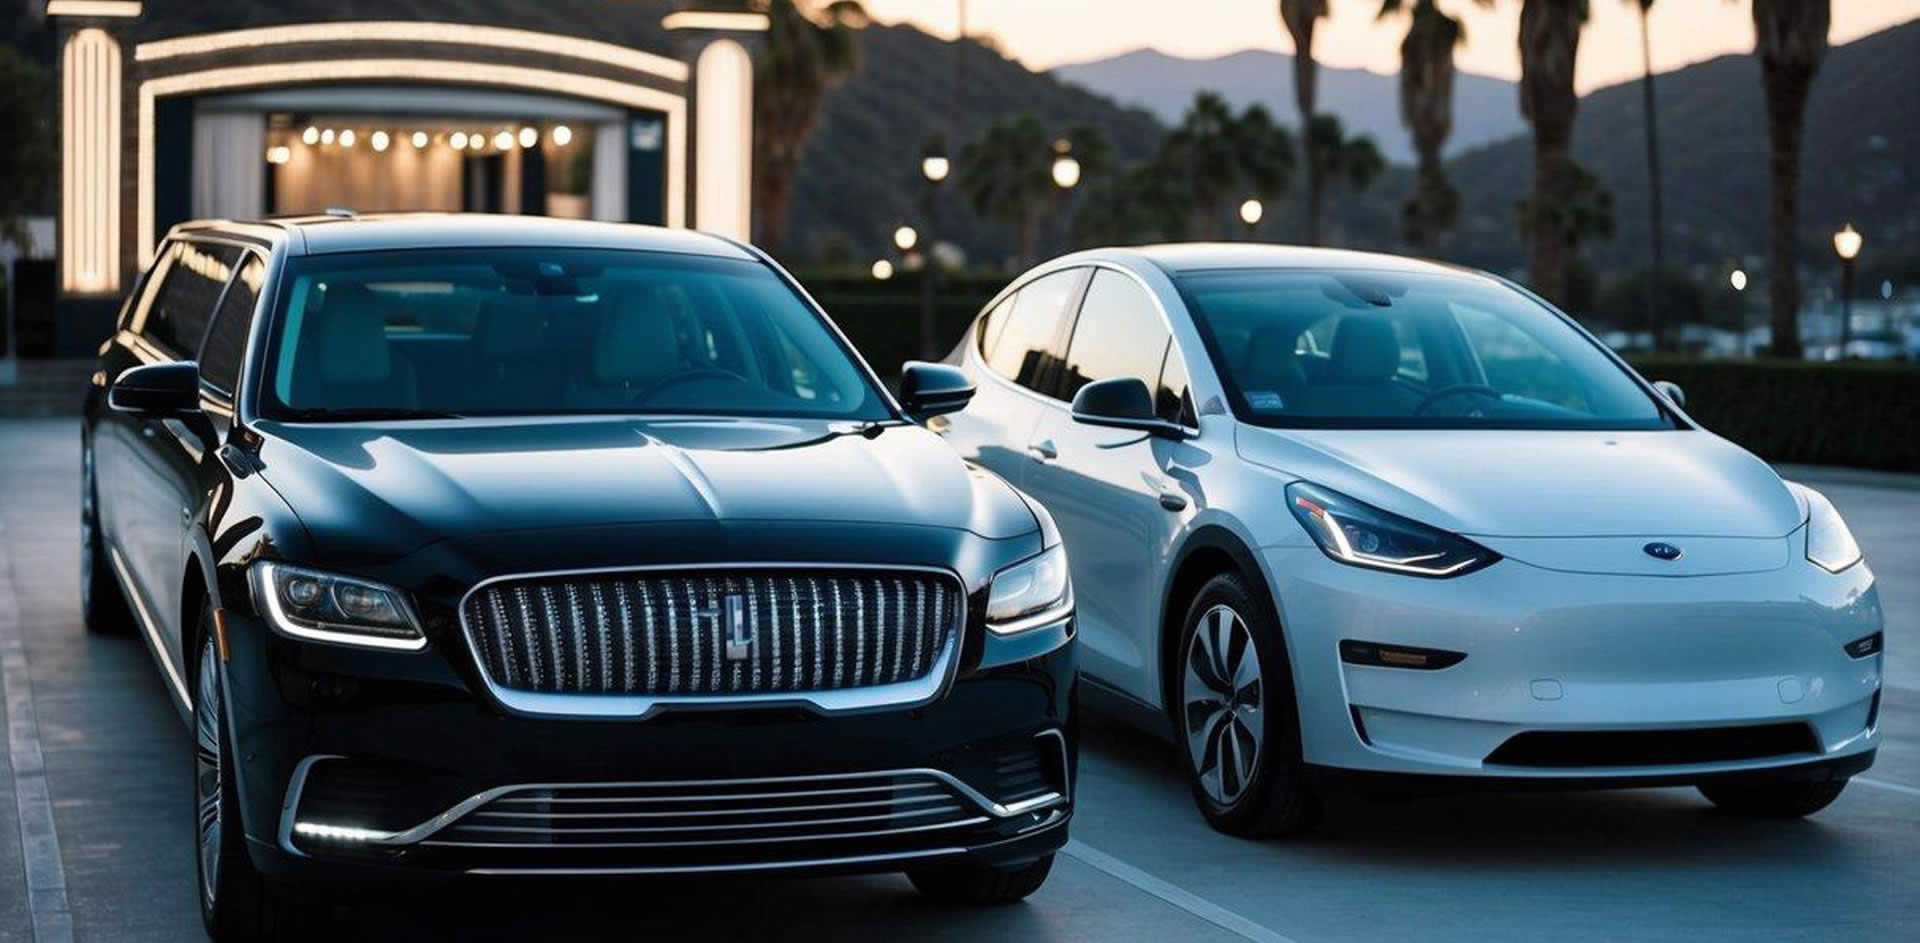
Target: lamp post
{"type": "Point", "coordinates": [1738, 280]}
{"type": "Point", "coordinates": [1846, 244]}
{"type": "Point", "coordinates": [1066, 175]}
{"type": "Point", "coordinates": [934, 168]}
{"type": "Point", "coordinates": [1251, 212]}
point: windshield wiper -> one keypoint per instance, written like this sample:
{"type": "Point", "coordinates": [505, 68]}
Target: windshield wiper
{"type": "Point", "coordinates": [363, 414]}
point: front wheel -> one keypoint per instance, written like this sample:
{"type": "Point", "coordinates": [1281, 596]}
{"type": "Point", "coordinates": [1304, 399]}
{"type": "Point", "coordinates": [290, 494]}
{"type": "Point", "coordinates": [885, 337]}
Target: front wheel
{"type": "Point", "coordinates": [982, 885]}
{"type": "Point", "coordinates": [1237, 721]}
{"type": "Point", "coordinates": [1760, 799]}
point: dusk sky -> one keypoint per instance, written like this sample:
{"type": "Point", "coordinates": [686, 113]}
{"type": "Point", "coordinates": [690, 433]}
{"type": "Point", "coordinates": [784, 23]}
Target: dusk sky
{"type": "Point", "coordinates": [1046, 33]}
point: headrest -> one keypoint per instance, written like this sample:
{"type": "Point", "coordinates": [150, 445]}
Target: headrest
{"type": "Point", "coordinates": [1271, 360]}
{"type": "Point", "coordinates": [637, 343]}
{"type": "Point", "coordinates": [1365, 350]}
{"type": "Point", "coordinates": [351, 342]}
{"type": "Point", "coordinates": [509, 326]}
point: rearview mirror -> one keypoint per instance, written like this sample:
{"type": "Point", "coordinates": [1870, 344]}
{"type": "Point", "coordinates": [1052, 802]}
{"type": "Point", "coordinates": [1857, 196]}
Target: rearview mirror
{"type": "Point", "coordinates": [1122, 403]}
{"type": "Point", "coordinates": [1672, 391]}
{"type": "Point", "coordinates": [933, 389]}
{"type": "Point", "coordinates": [157, 390]}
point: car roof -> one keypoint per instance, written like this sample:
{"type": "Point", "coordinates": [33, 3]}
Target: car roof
{"type": "Point", "coordinates": [348, 232]}
{"type": "Point", "coordinates": [1206, 256]}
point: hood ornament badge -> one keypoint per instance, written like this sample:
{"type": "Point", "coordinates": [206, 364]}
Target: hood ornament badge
{"type": "Point", "coordinates": [1662, 551]}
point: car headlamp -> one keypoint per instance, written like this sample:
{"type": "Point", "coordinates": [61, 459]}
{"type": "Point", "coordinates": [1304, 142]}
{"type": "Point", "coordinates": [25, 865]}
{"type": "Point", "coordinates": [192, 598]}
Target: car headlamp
{"type": "Point", "coordinates": [1034, 592]}
{"type": "Point", "coordinates": [1830, 545]}
{"type": "Point", "coordinates": [325, 607]}
{"type": "Point", "coordinates": [1361, 535]}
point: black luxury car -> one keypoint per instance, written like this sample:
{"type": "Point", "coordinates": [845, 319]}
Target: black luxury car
{"type": "Point", "coordinates": [507, 546]}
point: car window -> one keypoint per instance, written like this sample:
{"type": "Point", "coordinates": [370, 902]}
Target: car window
{"type": "Point", "coordinates": [177, 318]}
{"type": "Point", "coordinates": [993, 324]}
{"type": "Point", "coordinates": [1369, 349]}
{"type": "Point", "coordinates": [526, 331]}
{"type": "Point", "coordinates": [1029, 345]}
{"type": "Point", "coordinates": [226, 342]}
{"type": "Point", "coordinates": [1173, 399]}
{"type": "Point", "coordinates": [1119, 333]}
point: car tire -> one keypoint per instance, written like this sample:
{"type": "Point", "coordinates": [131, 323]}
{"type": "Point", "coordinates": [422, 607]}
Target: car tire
{"type": "Point", "coordinates": [1232, 694]}
{"type": "Point", "coordinates": [1761, 799]}
{"type": "Point", "coordinates": [103, 609]}
{"type": "Point", "coordinates": [981, 885]}
{"type": "Point", "coordinates": [237, 902]}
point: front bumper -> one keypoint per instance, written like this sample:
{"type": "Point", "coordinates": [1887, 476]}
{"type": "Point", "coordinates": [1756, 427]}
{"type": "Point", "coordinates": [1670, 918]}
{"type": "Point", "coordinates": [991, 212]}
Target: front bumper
{"type": "Point", "coordinates": [1585, 679]}
{"type": "Point", "coordinates": [362, 764]}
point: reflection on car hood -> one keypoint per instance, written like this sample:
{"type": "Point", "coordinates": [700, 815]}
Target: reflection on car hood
{"type": "Point", "coordinates": [1541, 483]}
{"type": "Point", "coordinates": [390, 487]}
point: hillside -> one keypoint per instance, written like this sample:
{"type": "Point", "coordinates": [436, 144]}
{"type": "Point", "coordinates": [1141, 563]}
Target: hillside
{"type": "Point", "coordinates": [1486, 109]}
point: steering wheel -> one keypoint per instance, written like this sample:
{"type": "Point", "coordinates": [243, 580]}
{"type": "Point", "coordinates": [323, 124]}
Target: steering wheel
{"type": "Point", "coordinates": [691, 376]}
{"type": "Point", "coordinates": [1447, 392]}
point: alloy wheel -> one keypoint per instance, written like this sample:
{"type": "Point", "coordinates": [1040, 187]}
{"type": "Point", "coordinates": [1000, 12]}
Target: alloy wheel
{"type": "Point", "coordinates": [1223, 704]}
{"type": "Point", "coordinates": [208, 775]}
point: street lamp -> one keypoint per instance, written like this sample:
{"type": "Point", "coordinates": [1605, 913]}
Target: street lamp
{"type": "Point", "coordinates": [1738, 280]}
{"type": "Point", "coordinates": [1846, 244]}
{"type": "Point", "coordinates": [934, 168]}
{"type": "Point", "coordinates": [882, 270]}
{"type": "Point", "coordinates": [1066, 171]}
{"type": "Point", "coordinates": [905, 238]}
{"type": "Point", "coordinates": [1250, 213]}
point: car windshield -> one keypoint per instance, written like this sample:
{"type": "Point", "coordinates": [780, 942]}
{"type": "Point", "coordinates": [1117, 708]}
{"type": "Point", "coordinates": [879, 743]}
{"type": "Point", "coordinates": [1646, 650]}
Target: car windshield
{"type": "Point", "coordinates": [1363, 349]}
{"type": "Point", "coordinates": [517, 331]}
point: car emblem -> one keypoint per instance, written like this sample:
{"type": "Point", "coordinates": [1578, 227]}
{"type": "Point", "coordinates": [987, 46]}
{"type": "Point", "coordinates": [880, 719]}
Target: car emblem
{"type": "Point", "coordinates": [739, 631]}
{"type": "Point", "coordinates": [1662, 551]}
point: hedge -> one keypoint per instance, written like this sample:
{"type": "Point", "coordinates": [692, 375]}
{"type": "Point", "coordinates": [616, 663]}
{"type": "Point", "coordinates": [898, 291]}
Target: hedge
{"type": "Point", "coordinates": [1859, 414]}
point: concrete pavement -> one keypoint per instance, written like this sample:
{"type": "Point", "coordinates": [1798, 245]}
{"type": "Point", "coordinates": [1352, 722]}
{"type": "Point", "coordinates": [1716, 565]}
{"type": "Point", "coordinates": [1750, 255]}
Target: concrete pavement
{"type": "Point", "coordinates": [1652, 865]}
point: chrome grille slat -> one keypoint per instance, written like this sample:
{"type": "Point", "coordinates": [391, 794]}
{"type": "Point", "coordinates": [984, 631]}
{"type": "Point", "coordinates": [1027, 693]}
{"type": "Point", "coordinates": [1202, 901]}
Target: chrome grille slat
{"type": "Point", "coordinates": [705, 842]}
{"type": "Point", "coordinates": [811, 629]}
{"type": "Point", "coordinates": [690, 813]}
{"type": "Point", "coordinates": [891, 816]}
{"type": "Point", "coordinates": [727, 797]}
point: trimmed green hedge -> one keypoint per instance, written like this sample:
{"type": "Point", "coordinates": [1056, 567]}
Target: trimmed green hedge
{"type": "Point", "coordinates": [1860, 414]}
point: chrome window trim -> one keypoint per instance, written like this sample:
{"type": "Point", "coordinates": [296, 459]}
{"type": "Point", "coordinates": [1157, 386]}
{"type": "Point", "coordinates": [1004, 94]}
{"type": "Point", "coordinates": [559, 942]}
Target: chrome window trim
{"type": "Point", "coordinates": [902, 695]}
{"type": "Point", "coordinates": [290, 805]}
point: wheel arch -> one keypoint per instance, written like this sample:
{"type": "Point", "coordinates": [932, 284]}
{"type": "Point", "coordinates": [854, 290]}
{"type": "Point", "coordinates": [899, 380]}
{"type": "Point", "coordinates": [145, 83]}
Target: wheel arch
{"type": "Point", "coordinates": [198, 586]}
{"type": "Point", "coordinates": [1209, 551]}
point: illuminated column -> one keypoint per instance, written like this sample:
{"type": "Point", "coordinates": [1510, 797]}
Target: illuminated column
{"type": "Point", "coordinates": [90, 163]}
{"type": "Point", "coordinates": [720, 47]}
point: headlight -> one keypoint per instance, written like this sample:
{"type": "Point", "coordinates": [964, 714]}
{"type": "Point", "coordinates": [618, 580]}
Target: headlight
{"type": "Point", "coordinates": [1355, 533]}
{"type": "Point", "coordinates": [1830, 545]}
{"type": "Point", "coordinates": [1030, 593]}
{"type": "Point", "coordinates": [322, 607]}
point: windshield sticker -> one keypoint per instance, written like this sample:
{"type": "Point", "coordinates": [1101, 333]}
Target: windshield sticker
{"type": "Point", "coordinates": [1265, 399]}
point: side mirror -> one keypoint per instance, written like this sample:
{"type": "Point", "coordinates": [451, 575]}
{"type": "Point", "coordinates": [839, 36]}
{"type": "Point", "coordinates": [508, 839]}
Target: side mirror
{"type": "Point", "coordinates": [157, 390]}
{"type": "Point", "coordinates": [1672, 391]}
{"type": "Point", "coordinates": [1122, 403]}
{"type": "Point", "coordinates": [933, 389]}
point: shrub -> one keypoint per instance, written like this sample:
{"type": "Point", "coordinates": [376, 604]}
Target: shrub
{"type": "Point", "coordinates": [1861, 414]}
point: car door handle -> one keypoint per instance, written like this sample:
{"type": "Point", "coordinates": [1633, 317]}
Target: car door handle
{"type": "Point", "coordinates": [1043, 451]}
{"type": "Point", "coordinates": [1173, 501]}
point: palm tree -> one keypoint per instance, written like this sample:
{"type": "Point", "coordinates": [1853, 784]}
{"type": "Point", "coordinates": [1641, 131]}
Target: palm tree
{"type": "Point", "coordinates": [1791, 38]}
{"type": "Point", "coordinates": [807, 53]}
{"type": "Point", "coordinates": [1650, 115]}
{"type": "Point", "coordinates": [1006, 174]}
{"type": "Point", "coordinates": [1426, 108]}
{"type": "Point", "coordinates": [1332, 156]}
{"type": "Point", "coordinates": [1300, 17]}
{"type": "Point", "coordinates": [1219, 156]}
{"type": "Point", "coordinates": [1582, 210]}
{"type": "Point", "coordinates": [1139, 203]}
{"type": "Point", "coordinates": [1549, 44]}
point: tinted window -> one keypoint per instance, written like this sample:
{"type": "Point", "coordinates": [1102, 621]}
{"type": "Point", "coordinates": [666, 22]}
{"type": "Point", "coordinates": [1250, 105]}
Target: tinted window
{"type": "Point", "coordinates": [529, 331]}
{"type": "Point", "coordinates": [1029, 345]}
{"type": "Point", "coordinates": [992, 324]}
{"type": "Point", "coordinates": [1119, 334]}
{"type": "Point", "coordinates": [178, 317]}
{"type": "Point", "coordinates": [1173, 401]}
{"type": "Point", "coordinates": [1390, 350]}
{"type": "Point", "coordinates": [226, 342]}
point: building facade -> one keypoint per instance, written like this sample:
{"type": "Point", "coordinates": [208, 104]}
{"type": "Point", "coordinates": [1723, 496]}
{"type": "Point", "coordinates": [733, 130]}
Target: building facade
{"type": "Point", "coordinates": [375, 115]}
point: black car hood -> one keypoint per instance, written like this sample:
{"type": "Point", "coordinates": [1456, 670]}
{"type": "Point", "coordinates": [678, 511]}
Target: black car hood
{"type": "Point", "coordinates": [388, 488]}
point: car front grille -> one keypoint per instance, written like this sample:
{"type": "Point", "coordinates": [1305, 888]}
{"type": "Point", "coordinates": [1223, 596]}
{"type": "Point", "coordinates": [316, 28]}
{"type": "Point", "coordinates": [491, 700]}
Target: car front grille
{"type": "Point", "coordinates": [712, 632]}
{"type": "Point", "coordinates": [702, 815]}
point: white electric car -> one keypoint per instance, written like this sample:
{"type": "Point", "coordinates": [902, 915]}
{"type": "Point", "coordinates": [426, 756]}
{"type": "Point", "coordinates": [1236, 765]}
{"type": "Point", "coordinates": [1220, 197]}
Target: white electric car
{"type": "Point", "coordinates": [1336, 514]}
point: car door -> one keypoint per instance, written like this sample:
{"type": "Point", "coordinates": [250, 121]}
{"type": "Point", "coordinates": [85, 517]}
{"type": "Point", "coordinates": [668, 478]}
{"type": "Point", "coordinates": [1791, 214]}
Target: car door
{"type": "Point", "coordinates": [1015, 349]}
{"type": "Point", "coordinates": [165, 454]}
{"type": "Point", "coordinates": [1110, 491]}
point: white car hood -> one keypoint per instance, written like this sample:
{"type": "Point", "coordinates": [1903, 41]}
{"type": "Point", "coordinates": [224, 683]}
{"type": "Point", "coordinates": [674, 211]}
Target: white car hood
{"type": "Point", "coordinates": [1541, 483]}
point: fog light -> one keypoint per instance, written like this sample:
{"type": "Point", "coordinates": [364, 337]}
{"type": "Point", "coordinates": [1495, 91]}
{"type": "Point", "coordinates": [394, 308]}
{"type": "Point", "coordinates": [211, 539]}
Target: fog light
{"type": "Point", "coordinates": [1862, 647]}
{"type": "Point", "coordinates": [1398, 656]}
{"type": "Point", "coordinates": [339, 833]}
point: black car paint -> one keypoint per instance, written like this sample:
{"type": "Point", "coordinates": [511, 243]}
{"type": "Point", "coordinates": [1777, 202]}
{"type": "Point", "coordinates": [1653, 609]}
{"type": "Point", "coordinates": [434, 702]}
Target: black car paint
{"type": "Point", "coordinates": [190, 503]}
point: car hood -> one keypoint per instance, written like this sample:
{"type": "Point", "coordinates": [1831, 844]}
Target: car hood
{"type": "Point", "coordinates": [389, 488]}
{"type": "Point", "coordinates": [1542, 483]}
